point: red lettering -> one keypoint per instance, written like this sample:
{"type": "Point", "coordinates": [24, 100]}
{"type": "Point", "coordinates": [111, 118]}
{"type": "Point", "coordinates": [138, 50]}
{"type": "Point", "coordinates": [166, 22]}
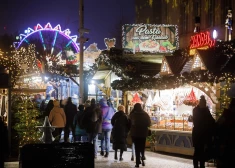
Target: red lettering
{"type": "Point", "coordinates": [201, 40]}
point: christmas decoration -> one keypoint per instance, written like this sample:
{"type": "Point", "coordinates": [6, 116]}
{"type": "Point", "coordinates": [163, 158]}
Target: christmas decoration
{"type": "Point", "coordinates": [136, 99]}
{"type": "Point", "coordinates": [26, 114]}
{"type": "Point", "coordinates": [191, 99]}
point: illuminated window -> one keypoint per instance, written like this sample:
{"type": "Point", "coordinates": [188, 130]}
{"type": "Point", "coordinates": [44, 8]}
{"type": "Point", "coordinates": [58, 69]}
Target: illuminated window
{"type": "Point", "coordinates": [197, 63]}
{"type": "Point", "coordinates": [165, 67]}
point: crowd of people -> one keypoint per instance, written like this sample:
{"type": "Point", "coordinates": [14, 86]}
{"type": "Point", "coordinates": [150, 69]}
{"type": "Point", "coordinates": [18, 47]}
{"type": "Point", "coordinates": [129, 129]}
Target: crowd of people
{"type": "Point", "coordinates": [99, 120]}
{"type": "Point", "coordinates": [212, 139]}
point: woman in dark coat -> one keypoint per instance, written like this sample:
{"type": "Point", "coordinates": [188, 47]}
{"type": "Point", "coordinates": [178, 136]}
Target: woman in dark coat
{"type": "Point", "coordinates": [140, 121]}
{"type": "Point", "coordinates": [120, 131]}
{"type": "Point", "coordinates": [48, 108]}
{"type": "Point", "coordinates": [203, 130]}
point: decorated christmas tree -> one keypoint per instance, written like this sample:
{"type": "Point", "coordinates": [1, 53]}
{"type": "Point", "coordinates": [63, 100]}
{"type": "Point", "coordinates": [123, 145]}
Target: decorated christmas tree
{"type": "Point", "coordinates": [26, 114]}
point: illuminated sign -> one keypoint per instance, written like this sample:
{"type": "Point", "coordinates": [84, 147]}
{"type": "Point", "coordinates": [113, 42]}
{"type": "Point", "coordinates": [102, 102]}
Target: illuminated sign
{"type": "Point", "coordinates": [201, 40]}
{"type": "Point", "coordinates": [150, 38]}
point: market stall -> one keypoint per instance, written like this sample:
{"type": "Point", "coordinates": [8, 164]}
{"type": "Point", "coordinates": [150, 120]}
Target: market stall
{"type": "Point", "coordinates": [170, 111]}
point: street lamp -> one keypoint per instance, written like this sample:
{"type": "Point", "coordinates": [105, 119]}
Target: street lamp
{"type": "Point", "coordinates": [82, 40]}
{"type": "Point", "coordinates": [215, 34]}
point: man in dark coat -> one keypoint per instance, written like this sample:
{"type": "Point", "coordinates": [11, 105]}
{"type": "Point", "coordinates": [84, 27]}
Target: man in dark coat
{"type": "Point", "coordinates": [3, 142]}
{"type": "Point", "coordinates": [225, 137]}
{"type": "Point", "coordinates": [70, 110]}
{"type": "Point", "coordinates": [140, 121]}
{"type": "Point", "coordinates": [120, 131]}
{"type": "Point", "coordinates": [203, 130]}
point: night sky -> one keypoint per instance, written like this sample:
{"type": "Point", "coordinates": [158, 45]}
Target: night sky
{"type": "Point", "coordinates": [100, 16]}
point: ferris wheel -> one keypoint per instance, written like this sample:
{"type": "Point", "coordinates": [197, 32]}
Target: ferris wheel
{"type": "Point", "coordinates": [50, 40]}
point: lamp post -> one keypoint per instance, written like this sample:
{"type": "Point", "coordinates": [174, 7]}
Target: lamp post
{"type": "Point", "coordinates": [82, 40]}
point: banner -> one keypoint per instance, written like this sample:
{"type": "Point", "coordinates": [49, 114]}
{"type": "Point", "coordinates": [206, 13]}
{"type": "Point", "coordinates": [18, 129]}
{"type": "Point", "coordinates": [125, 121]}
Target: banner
{"type": "Point", "coordinates": [150, 38]}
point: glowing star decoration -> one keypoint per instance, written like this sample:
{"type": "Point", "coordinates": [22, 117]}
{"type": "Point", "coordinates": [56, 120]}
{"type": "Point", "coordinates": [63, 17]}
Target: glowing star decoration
{"type": "Point", "coordinates": [110, 43]}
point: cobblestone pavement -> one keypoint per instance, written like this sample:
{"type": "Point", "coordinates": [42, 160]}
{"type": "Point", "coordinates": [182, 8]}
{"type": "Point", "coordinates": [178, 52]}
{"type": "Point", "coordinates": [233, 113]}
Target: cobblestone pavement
{"type": "Point", "coordinates": [153, 160]}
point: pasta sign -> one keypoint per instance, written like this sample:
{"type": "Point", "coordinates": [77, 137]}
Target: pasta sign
{"type": "Point", "coordinates": [201, 40]}
{"type": "Point", "coordinates": [151, 38]}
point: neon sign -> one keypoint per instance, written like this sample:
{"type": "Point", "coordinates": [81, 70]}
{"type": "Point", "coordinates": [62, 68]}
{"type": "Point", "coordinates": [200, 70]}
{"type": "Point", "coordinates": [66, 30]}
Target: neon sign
{"type": "Point", "coordinates": [202, 39]}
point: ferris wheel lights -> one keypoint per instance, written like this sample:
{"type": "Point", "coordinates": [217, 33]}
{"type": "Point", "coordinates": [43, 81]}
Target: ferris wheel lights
{"type": "Point", "coordinates": [48, 26]}
{"type": "Point", "coordinates": [57, 29]}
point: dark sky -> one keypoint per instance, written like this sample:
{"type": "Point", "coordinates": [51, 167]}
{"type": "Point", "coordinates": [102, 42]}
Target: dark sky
{"type": "Point", "coordinates": [100, 16]}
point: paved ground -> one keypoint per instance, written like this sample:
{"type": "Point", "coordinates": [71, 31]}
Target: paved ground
{"type": "Point", "coordinates": [153, 160]}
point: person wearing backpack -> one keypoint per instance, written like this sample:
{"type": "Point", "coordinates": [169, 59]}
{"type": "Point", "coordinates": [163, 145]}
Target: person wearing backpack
{"type": "Point", "coordinates": [79, 132]}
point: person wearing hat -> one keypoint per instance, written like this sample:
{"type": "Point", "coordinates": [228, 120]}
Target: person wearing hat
{"type": "Point", "coordinates": [107, 114]}
{"type": "Point", "coordinates": [57, 119]}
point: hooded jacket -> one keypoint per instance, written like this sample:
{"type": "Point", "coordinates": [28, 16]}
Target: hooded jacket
{"type": "Point", "coordinates": [57, 116]}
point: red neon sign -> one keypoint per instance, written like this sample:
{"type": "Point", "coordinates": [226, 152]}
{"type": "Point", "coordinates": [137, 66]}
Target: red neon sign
{"type": "Point", "coordinates": [201, 40]}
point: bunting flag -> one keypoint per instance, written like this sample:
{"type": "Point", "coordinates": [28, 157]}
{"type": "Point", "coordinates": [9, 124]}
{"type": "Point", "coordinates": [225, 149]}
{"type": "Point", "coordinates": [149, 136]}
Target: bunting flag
{"type": "Point", "coordinates": [149, 101]}
{"type": "Point", "coordinates": [157, 101]}
{"type": "Point", "coordinates": [136, 99]}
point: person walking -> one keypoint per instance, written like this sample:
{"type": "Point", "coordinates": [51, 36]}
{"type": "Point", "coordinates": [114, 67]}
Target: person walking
{"type": "Point", "coordinates": [79, 132]}
{"type": "Point", "coordinates": [4, 146]}
{"type": "Point", "coordinates": [203, 131]}
{"type": "Point", "coordinates": [57, 119]}
{"type": "Point", "coordinates": [48, 108]}
{"type": "Point", "coordinates": [70, 110]}
{"type": "Point", "coordinates": [107, 114]}
{"type": "Point", "coordinates": [120, 131]}
{"type": "Point", "coordinates": [92, 121]}
{"type": "Point", "coordinates": [140, 121]}
{"type": "Point", "coordinates": [225, 137]}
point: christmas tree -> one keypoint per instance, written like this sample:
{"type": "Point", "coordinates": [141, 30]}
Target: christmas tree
{"type": "Point", "coordinates": [224, 98]}
{"type": "Point", "coordinates": [27, 120]}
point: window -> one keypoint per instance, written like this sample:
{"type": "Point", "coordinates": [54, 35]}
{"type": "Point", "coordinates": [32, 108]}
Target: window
{"type": "Point", "coordinates": [184, 16]}
{"type": "Point", "coordinates": [211, 8]}
{"type": "Point", "coordinates": [197, 8]}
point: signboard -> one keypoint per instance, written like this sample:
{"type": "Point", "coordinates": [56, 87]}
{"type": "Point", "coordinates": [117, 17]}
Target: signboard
{"type": "Point", "coordinates": [150, 38]}
{"type": "Point", "coordinates": [201, 40]}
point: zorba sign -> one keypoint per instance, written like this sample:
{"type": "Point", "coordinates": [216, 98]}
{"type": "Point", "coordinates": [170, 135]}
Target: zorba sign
{"type": "Point", "coordinates": [201, 40]}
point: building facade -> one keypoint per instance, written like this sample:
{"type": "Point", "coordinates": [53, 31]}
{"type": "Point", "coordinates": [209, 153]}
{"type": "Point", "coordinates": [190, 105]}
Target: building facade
{"type": "Point", "coordinates": [204, 15]}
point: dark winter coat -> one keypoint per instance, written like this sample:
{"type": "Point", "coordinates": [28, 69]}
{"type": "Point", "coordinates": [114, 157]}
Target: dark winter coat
{"type": "Point", "coordinates": [120, 130]}
{"type": "Point", "coordinates": [203, 126]}
{"type": "Point", "coordinates": [70, 110]}
{"type": "Point", "coordinates": [48, 108]}
{"type": "Point", "coordinates": [140, 121]}
{"type": "Point", "coordinates": [4, 150]}
{"type": "Point", "coordinates": [225, 136]}
{"type": "Point", "coordinates": [92, 119]}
